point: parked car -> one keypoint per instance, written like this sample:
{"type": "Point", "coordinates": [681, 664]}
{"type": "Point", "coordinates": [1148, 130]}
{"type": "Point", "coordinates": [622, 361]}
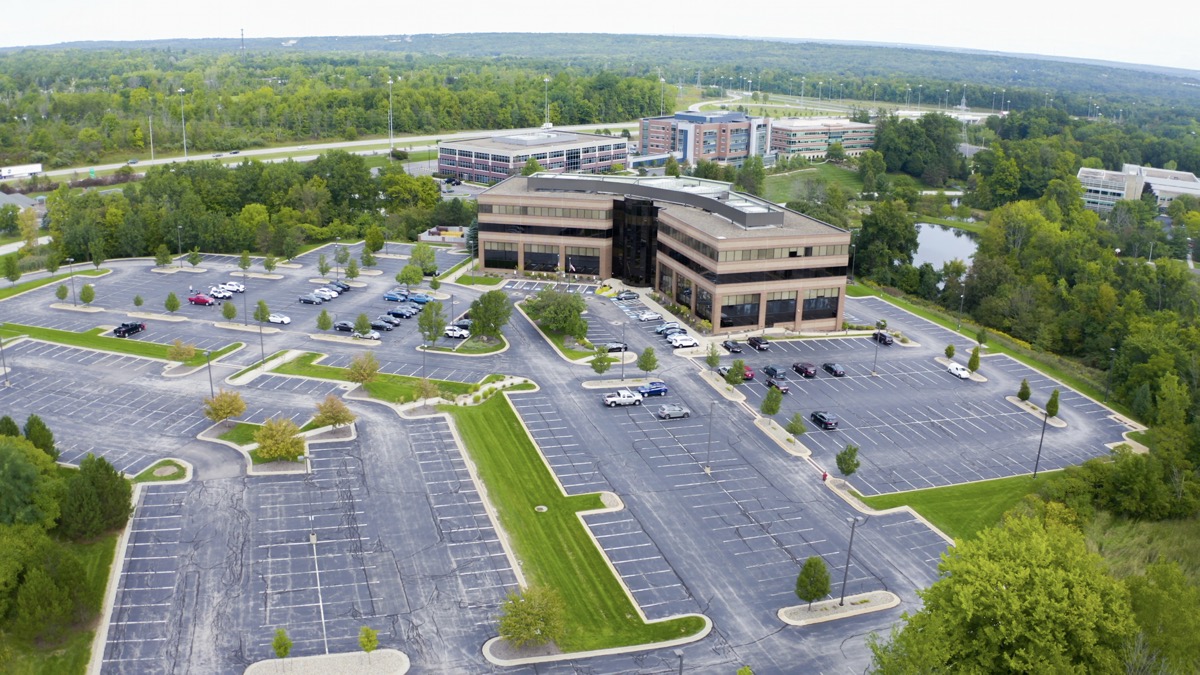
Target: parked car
{"type": "Point", "coordinates": [324, 294]}
{"type": "Point", "coordinates": [671, 332]}
{"type": "Point", "coordinates": [834, 369]}
{"type": "Point", "coordinates": [311, 299]}
{"type": "Point", "coordinates": [627, 295]}
{"type": "Point", "coordinates": [672, 411]}
{"type": "Point", "coordinates": [615, 347]}
{"type": "Point", "coordinates": [825, 420]}
{"type": "Point", "coordinates": [379, 324]}
{"type": "Point", "coordinates": [420, 298]}
{"type": "Point", "coordinates": [279, 318]}
{"type": "Point", "coordinates": [333, 289]}
{"type": "Point", "coordinates": [369, 335]}
{"type": "Point", "coordinates": [775, 371]}
{"type": "Point", "coordinates": [340, 285]}
{"type": "Point", "coordinates": [779, 384]}
{"type": "Point", "coordinates": [393, 296]}
{"type": "Point", "coordinates": [456, 332]}
{"type": "Point", "coordinates": [683, 340]}
{"type": "Point", "coordinates": [804, 369]}
{"type": "Point", "coordinates": [234, 286]}
{"type": "Point", "coordinates": [390, 320]}
{"type": "Point", "coordinates": [649, 316]}
{"type": "Point", "coordinates": [882, 338]}
{"type": "Point", "coordinates": [345, 326]}
{"type": "Point", "coordinates": [219, 293]}
{"type": "Point", "coordinates": [748, 373]}
{"type": "Point", "coordinates": [622, 397]}
{"type": "Point", "coordinates": [464, 323]}
{"type": "Point", "coordinates": [201, 299]}
{"type": "Point", "coordinates": [653, 389]}
{"type": "Point", "coordinates": [959, 370]}
{"type": "Point", "coordinates": [128, 328]}
{"type": "Point", "coordinates": [666, 327]}
{"type": "Point", "coordinates": [732, 346]}
{"type": "Point", "coordinates": [759, 342]}
{"type": "Point", "coordinates": [402, 312]}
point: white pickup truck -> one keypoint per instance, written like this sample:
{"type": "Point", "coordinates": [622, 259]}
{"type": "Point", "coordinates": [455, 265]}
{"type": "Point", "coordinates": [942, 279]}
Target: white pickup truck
{"type": "Point", "coordinates": [622, 397]}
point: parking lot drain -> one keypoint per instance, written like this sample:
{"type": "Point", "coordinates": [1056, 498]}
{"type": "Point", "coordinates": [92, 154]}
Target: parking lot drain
{"type": "Point", "coordinates": [540, 509]}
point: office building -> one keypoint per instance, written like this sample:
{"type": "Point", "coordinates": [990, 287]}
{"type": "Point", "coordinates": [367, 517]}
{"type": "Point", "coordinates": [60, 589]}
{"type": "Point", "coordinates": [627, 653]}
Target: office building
{"type": "Point", "coordinates": [811, 137]}
{"type": "Point", "coordinates": [491, 159]}
{"type": "Point", "coordinates": [732, 259]}
{"type": "Point", "coordinates": [1103, 189]}
{"type": "Point", "coordinates": [715, 136]}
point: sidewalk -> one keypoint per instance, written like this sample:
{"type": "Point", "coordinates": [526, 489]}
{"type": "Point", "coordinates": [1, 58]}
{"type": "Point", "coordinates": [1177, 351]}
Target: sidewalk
{"type": "Point", "coordinates": [18, 245]}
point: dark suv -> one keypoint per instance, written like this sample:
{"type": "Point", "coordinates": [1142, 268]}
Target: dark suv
{"type": "Point", "coordinates": [775, 372]}
{"type": "Point", "coordinates": [883, 338]}
{"type": "Point", "coordinates": [805, 369]}
{"type": "Point", "coordinates": [759, 342]}
{"type": "Point", "coordinates": [825, 420]}
{"type": "Point", "coordinates": [128, 328]}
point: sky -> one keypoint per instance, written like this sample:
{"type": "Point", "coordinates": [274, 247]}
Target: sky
{"type": "Point", "coordinates": [1053, 28]}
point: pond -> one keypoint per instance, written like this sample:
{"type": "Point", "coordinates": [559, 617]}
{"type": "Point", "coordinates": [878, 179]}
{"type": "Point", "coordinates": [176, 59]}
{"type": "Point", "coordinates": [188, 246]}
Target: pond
{"type": "Point", "coordinates": [938, 244]}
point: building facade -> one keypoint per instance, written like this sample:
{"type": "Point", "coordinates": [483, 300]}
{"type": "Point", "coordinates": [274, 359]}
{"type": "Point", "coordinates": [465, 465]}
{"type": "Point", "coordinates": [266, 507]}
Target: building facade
{"type": "Point", "coordinates": [1103, 189]}
{"type": "Point", "coordinates": [491, 159]}
{"type": "Point", "coordinates": [732, 259]}
{"type": "Point", "coordinates": [812, 137]}
{"type": "Point", "coordinates": [724, 136]}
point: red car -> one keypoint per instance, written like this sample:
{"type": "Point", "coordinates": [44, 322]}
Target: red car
{"type": "Point", "coordinates": [201, 299]}
{"type": "Point", "coordinates": [748, 373]}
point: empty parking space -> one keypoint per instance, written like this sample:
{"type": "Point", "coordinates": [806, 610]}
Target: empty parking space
{"type": "Point", "coordinates": [414, 368]}
{"type": "Point", "coordinates": [567, 453]}
{"type": "Point", "coordinates": [655, 586]}
{"type": "Point", "coordinates": [529, 286]}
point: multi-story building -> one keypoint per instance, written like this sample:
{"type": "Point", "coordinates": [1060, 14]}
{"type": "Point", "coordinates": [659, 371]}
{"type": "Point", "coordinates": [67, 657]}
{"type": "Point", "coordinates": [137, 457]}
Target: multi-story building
{"type": "Point", "coordinates": [725, 136]}
{"type": "Point", "coordinates": [735, 260]}
{"type": "Point", "coordinates": [491, 159]}
{"type": "Point", "coordinates": [811, 137]}
{"type": "Point", "coordinates": [1103, 189]}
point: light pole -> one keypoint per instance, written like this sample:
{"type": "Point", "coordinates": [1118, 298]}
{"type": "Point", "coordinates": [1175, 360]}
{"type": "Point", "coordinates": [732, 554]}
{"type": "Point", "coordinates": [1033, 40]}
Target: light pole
{"type": "Point", "coordinates": [846, 573]}
{"type": "Point", "coordinates": [71, 263]}
{"type": "Point", "coordinates": [679, 653]}
{"type": "Point", "coordinates": [179, 244]}
{"type": "Point", "coordinates": [874, 90]}
{"type": "Point", "coordinates": [183, 122]}
{"type": "Point", "coordinates": [879, 325]}
{"type": "Point", "coordinates": [391, 139]}
{"type": "Point", "coordinates": [961, 298]}
{"type": "Point", "coordinates": [3, 362]}
{"type": "Point", "coordinates": [708, 452]}
{"type": "Point", "coordinates": [1112, 362]}
{"type": "Point", "coordinates": [546, 98]}
{"type": "Point", "coordinates": [802, 83]}
{"type": "Point", "coordinates": [623, 351]}
{"type": "Point", "coordinates": [337, 261]}
{"type": "Point", "coordinates": [662, 95]}
{"type": "Point", "coordinates": [208, 360]}
{"type": "Point", "coordinates": [1036, 462]}
{"type": "Point", "coordinates": [920, 89]}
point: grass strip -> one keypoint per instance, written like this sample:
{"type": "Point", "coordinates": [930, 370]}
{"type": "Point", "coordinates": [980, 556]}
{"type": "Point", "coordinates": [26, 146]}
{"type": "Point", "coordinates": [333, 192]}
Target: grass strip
{"type": "Point", "coordinates": [977, 228]}
{"type": "Point", "coordinates": [93, 339]}
{"type": "Point", "coordinates": [200, 360]}
{"type": "Point", "coordinates": [472, 345]}
{"type": "Point", "coordinates": [554, 547]}
{"type": "Point", "coordinates": [385, 387]}
{"type": "Point", "coordinates": [469, 280]}
{"type": "Point", "coordinates": [557, 338]}
{"type": "Point", "coordinates": [961, 511]}
{"type": "Point", "coordinates": [148, 476]}
{"type": "Point", "coordinates": [256, 364]}
{"type": "Point", "coordinates": [241, 434]}
{"type": "Point", "coordinates": [10, 291]}
{"type": "Point", "coordinates": [444, 275]}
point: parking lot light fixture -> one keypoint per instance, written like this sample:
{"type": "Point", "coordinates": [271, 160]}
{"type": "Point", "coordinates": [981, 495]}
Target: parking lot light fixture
{"type": "Point", "coordinates": [708, 451]}
{"type": "Point", "coordinates": [3, 363]}
{"type": "Point", "coordinates": [846, 572]}
{"type": "Point", "coordinates": [962, 297]}
{"type": "Point", "coordinates": [1037, 462]}
{"type": "Point", "coordinates": [179, 243]}
{"type": "Point", "coordinates": [679, 653]}
{"type": "Point", "coordinates": [71, 265]}
{"type": "Point", "coordinates": [1112, 362]}
{"type": "Point", "coordinates": [337, 264]}
{"type": "Point", "coordinates": [625, 351]}
{"type": "Point", "coordinates": [879, 325]}
{"type": "Point", "coordinates": [208, 361]}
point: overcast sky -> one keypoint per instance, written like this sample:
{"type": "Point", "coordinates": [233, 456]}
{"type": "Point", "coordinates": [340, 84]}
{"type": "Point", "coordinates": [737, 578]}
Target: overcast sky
{"type": "Point", "coordinates": [1054, 27]}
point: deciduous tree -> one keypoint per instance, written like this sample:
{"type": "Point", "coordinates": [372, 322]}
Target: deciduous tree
{"type": "Point", "coordinates": [225, 405]}
{"type": "Point", "coordinates": [410, 276]}
{"type": "Point", "coordinates": [1023, 393]}
{"type": "Point", "coordinates": [229, 311]}
{"type": "Point", "coordinates": [712, 357]}
{"type": "Point", "coordinates": [352, 269]}
{"type": "Point", "coordinates": [323, 265]}
{"type": "Point", "coordinates": [601, 362]}
{"type": "Point", "coordinates": [282, 644]}
{"type": "Point", "coordinates": [162, 256]}
{"type": "Point", "coordinates": [813, 581]}
{"type": "Point", "coordinates": [30, 484]}
{"type": "Point", "coordinates": [973, 362]}
{"type": "Point", "coordinates": [368, 640]}
{"type": "Point", "coordinates": [847, 460]}
{"type": "Point", "coordinates": [362, 324]}
{"type": "Point", "coordinates": [172, 303]}
{"type": "Point", "coordinates": [431, 322]}
{"type": "Point", "coordinates": [771, 402]}
{"type": "Point", "coordinates": [424, 257]}
{"type": "Point", "coordinates": [333, 412]}
{"type": "Point", "coordinates": [61, 292]}
{"type": "Point", "coordinates": [647, 361]}
{"type": "Point", "coordinates": [87, 294]}
{"type": "Point", "coordinates": [194, 257]}
{"type": "Point", "coordinates": [12, 271]}
{"type": "Point", "coordinates": [796, 426]}
{"type": "Point", "coordinates": [39, 434]}
{"type": "Point", "coordinates": [363, 368]}
{"type": "Point", "coordinates": [534, 617]}
{"type": "Point", "coordinates": [278, 439]}
{"type": "Point", "coordinates": [324, 321]}
{"type": "Point", "coordinates": [737, 372]}
{"type": "Point", "coordinates": [489, 314]}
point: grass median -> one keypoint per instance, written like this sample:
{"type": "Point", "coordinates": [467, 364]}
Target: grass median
{"type": "Point", "coordinates": [961, 511]}
{"type": "Point", "coordinates": [385, 387]}
{"type": "Point", "coordinates": [10, 291]}
{"type": "Point", "coordinates": [94, 339]}
{"type": "Point", "coordinates": [554, 547]}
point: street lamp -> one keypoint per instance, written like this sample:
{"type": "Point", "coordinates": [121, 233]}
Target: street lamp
{"type": "Point", "coordinates": [179, 243]}
{"type": "Point", "coordinates": [183, 122]}
{"type": "Point", "coordinates": [71, 263]}
{"type": "Point", "coordinates": [920, 89]}
{"type": "Point", "coordinates": [962, 297]}
{"type": "Point", "coordinates": [3, 363]}
{"type": "Point", "coordinates": [1036, 462]}
{"type": "Point", "coordinates": [208, 360]}
{"type": "Point", "coordinates": [1112, 362]}
{"type": "Point", "coordinates": [679, 653]}
{"type": "Point", "coordinates": [708, 452]}
{"type": "Point", "coordinates": [879, 326]}
{"type": "Point", "coordinates": [337, 261]}
{"type": "Point", "coordinates": [846, 573]}
{"type": "Point", "coordinates": [391, 139]}
{"type": "Point", "coordinates": [662, 95]}
{"type": "Point", "coordinates": [623, 351]}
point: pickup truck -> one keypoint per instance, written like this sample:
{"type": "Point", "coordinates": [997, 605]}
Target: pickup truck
{"type": "Point", "coordinates": [623, 397]}
{"type": "Point", "coordinates": [128, 328]}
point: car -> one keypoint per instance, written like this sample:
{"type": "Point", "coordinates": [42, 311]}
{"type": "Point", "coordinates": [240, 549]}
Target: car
{"type": "Point", "coordinates": [324, 293]}
{"type": "Point", "coordinates": [779, 384]}
{"type": "Point", "coordinates": [345, 326]}
{"type": "Point", "coordinates": [464, 323]}
{"type": "Point", "coordinates": [649, 316]}
{"type": "Point", "coordinates": [653, 389]}
{"type": "Point", "coordinates": [201, 299]}
{"type": "Point", "coordinates": [747, 373]}
{"type": "Point", "coordinates": [671, 332]}
{"type": "Point", "coordinates": [402, 312]}
{"type": "Point", "coordinates": [775, 372]}
{"type": "Point", "coordinates": [673, 411]}
{"type": "Point", "coordinates": [311, 299]}
{"type": "Point", "coordinates": [456, 332]}
{"type": "Point", "coordinates": [392, 296]}
{"type": "Point", "coordinates": [280, 318]}
{"type": "Point", "coordinates": [732, 346]}
{"type": "Point", "coordinates": [759, 342]}
{"type": "Point", "coordinates": [662, 328]}
{"type": "Point", "coordinates": [959, 370]}
{"type": "Point", "coordinates": [678, 341]}
{"type": "Point", "coordinates": [622, 397]}
{"type": "Point", "coordinates": [132, 161]}
{"type": "Point", "coordinates": [379, 324]}
{"type": "Point", "coordinates": [834, 369]}
{"type": "Point", "coordinates": [331, 289]}
{"type": "Point", "coordinates": [369, 335]}
{"type": "Point", "coordinates": [234, 286]}
{"type": "Point", "coordinates": [804, 369]}
{"type": "Point", "coordinates": [128, 328]}
{"type": "Point", "coordinates": [615, 347]}
{"type": "Point", "coordinates": [218, 154]}
{"type": "Point", "coordinates": [234, 152]}
{"type": "Point", "coordinates": [420, 298]}
{"type": "Point", "coordinates": [390, 320]}
{"type": "Point", "coordinates": [219, 293]}
{"type": "Point", "coordinates": [627, 295]}
{"type": "Point", "coordinates": [341, 286]}
{"type": "Point", "coordinates": [882, 338]}
{"type": "Point", "coordinates": [825, 420]}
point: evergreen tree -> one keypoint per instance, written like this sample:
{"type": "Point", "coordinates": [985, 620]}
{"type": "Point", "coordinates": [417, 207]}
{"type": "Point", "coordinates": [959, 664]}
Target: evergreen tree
{"type": "Point", "coordinates": [40, 435]}
{"type": "Point", "coordinates": [973, 362]}
{"type": "Point", "coordinates": [813, 581]}
{"type": "Point", "coordinates": [1023, 392]}
{"type": "Point", "coordinates": [8, 427]}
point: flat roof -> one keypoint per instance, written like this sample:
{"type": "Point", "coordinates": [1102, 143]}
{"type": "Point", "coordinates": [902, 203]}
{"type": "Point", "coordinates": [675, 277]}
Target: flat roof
{"type": "Point", "coordinates": [819, 123]}
{"type": "Point", "coordinates": [532, 141]}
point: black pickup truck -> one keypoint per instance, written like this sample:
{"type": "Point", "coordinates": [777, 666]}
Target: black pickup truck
{"type": "Point", "coordinates": [128, 328]}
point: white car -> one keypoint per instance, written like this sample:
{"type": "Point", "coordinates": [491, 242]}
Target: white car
{"type": "Point", "coordinates": [457, 332]}
{"type": "Point", "coordinates": [649, 316]}
{"type": "Point", "coordinates": [683, 340]}
{"type": "Point", "coordinates": [369, 335]}
{"type": "Point", "coordinates": [324, 294]}
{"type": "Point", "coordinates": [234, 287]}
{"type": "Point", "coordinates": [958, 370]}
{"type": "Point", "coordinates": [219, 292]}
{"type": "Point", "coordinates": [279, 318]}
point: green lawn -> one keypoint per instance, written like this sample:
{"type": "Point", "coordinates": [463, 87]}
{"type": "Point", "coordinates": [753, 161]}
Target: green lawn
{"type": "Point", "coordinates": [559, 340]}
{"type": "Point", "coordinates": [473, 345]}
{"type": "Point", "coordinates": [11, 290]}
{"type": "Point", "coordinates": [554, 547]}
{"type": "Point", "coordinates": [241, 434]}
{"type": "Point", "coordinates": [92, 339]}
{"type": "Point", "coordinates": [385, 387]}
{"type": "Point", "coordinates": [469, 280]}
{"type": "Point", "coordinates": [447, 273]}
{"type": "Point", "coordinates": [961, 511]}
{"type": "Point", "coordinates": [148, 476]}
{"type": "Point", "coordinates": [786, 187]}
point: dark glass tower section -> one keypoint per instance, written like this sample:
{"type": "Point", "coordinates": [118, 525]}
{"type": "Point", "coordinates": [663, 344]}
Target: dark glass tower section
{"type": "Point", "coordinates": [635, 240]}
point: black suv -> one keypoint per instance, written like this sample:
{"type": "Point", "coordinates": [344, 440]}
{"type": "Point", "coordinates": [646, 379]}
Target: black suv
{"type": "Point", "coordinates": [883, 338]}
{"type": "Point", "coordinates": [759, 342]}
{"type": "Point", "coordinates": [775, 372]}
{"type": "Point", "coordinates": [128, 328]}
{"type": "Point", "coordinates": [341, 286]}
{"type": "Point", "coordinates": [805, 369]}
{"type": "Point", "coordinates": [834, 369]}
{"type": "Point", "coordinates": [825, 420]}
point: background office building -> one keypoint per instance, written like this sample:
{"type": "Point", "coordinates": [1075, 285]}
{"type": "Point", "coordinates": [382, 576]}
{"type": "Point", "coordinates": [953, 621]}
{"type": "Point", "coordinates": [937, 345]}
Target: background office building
{"type": "Point", "coordinates": [1103, 189]}
{"type": "Point", "coordinates": [491, 159]}
{"type": "Point", "coordinates": [812, 137]}
{"type": "Point", "coordinates": [735, 260]}
{"type": "Point", "coordinates": [723, 136]}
